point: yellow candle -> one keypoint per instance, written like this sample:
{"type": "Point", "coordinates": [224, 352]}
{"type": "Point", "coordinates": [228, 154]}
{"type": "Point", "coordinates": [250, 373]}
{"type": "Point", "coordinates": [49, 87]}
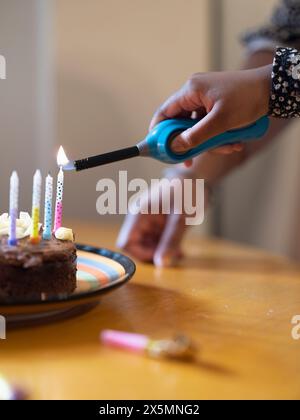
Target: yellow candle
{"type": "Point", "coordinates": [36, 202]}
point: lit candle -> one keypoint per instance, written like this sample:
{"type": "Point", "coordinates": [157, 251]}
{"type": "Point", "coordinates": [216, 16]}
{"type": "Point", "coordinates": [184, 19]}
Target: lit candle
{"type": "Point", "coordinates": [48, 208]}
{"type": "Point", "coordinates": [61, 161]}
{"type": "Point", "coordinates": [36, 202]}
{"type": "Point", "coordinates": [13, 208]}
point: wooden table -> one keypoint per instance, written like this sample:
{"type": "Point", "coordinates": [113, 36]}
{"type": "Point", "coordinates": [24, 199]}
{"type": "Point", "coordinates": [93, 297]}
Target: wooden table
{"type": "Point", "coordinates": [237, 303]}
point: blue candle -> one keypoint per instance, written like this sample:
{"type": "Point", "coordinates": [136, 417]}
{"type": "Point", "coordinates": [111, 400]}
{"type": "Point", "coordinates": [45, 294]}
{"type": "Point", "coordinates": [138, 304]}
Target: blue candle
{"type": "Point", "coordinates": [48, 209]}
{"type": "Point", "coordinates": [13, 209]}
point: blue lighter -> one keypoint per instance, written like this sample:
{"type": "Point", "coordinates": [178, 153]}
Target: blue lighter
{"type": "Point", "coordinates": [158, 144]}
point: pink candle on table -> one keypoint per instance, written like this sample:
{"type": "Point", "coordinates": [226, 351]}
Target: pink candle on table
{"type": "Point", "coordinates": [178, 347]}
{"type": "Point", "coordinates": [134, 342]}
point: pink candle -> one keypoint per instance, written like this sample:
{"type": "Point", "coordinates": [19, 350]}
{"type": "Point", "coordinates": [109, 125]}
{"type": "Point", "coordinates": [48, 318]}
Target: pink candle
{"type": "Point", "coordinates": [59, 201]}
{"type": "Point", "coordinates": [61, 161]}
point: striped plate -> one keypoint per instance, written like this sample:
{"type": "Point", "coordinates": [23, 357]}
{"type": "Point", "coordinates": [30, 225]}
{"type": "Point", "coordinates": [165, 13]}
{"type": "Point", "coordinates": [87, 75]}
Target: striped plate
{"type": "Point", "coordinates": [99, 271]}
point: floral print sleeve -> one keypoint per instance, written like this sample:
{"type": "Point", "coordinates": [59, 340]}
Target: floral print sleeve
{"type": "Point", "coordinates": [285, 95]}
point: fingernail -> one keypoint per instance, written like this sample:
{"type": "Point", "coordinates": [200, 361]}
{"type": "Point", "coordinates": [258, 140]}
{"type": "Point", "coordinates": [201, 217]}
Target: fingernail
{"type": "Point", "coordinates": [180, 143]}
{"type": "Point", "coordinates": [177, 146]}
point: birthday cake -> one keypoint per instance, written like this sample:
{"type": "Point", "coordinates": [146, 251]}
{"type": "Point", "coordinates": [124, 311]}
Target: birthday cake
{"type": "Point", "coordinates": [30, 270]}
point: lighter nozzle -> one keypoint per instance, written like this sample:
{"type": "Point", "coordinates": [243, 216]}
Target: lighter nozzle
{"type": "Point", "coordinates": [70, 166]}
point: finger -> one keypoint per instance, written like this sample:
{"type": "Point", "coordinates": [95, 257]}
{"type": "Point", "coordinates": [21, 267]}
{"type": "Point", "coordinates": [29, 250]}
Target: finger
{"type": "Point", "coordinates": [189, 163]}
{"type": "Point", "coordinates": [140, 236]}
{"type": "Point", "coordinates": [210, 126]}
{"type": "Point", "coordinates": [127, 231]}
{"type": "Point", "coordinates": [139, 240]}
{"type": "Point", "coordinates": [168, 251]}
{"type": "Point", "coordinates": [224, 150]}
{"type": "Point", "coordinates": [239, 147]}
{"type": "Point", "coordinates": [179, 108]}
{"type": "Point", "coordinates": [170, 109]}
{"type": "Point", "coordinates": [227, 150]}
{"type": "Point", "coordinates": [137, 229]}
{"type": "Point", "coordinates": [200, 113]}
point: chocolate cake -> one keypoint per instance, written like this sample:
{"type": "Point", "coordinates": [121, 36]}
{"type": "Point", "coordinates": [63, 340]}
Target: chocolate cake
{"type": "Point", "coordinates": [27, 271]}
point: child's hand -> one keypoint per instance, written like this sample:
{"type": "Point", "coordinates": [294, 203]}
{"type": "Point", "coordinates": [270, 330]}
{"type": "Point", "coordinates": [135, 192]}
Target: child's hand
{"type": "Point", "coordinates": [224, 101]}
{"type": "Point", "coordinates": [155, 238]}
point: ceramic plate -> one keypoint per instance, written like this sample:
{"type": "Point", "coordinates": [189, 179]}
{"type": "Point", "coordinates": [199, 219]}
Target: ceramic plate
{"type": "Point", "coordinates": [99, 271]}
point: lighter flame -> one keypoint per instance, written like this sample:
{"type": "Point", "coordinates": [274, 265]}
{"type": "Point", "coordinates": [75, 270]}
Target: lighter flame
{"type": "Point", "coordinates": [62, 159]}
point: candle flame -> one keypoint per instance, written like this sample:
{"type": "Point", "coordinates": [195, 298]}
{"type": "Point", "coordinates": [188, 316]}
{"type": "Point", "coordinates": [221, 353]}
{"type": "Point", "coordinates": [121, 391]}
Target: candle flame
{"type": "Point", "coordinates": [62, 159]}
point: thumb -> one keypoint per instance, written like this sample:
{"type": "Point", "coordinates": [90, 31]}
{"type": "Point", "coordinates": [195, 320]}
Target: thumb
{"type": "Point", "coordinates": [213, 124]}
{"type": "Point", "coordinates": [168, 250]}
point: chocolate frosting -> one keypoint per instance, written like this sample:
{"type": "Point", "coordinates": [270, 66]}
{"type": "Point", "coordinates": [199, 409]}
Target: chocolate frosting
{"type": "Point", "coordinates": [27, 255]}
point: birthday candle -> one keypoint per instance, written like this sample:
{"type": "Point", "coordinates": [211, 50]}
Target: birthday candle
{"type": "Point", "coordinates": [48, 208]}
{"type": "Point", "coordinates": [178, 347]}
{"type": "Point", "coordinates": [59, 200]}
{"type": "Point", "coordinates": [36, 202]}
{"type": "Point", "coordinates": [13, 208]}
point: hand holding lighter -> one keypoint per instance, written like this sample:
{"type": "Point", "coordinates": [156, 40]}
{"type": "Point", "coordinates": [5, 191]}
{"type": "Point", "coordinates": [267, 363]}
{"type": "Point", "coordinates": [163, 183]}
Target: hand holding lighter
{"type": "Point", "coordinates": [158, 144]}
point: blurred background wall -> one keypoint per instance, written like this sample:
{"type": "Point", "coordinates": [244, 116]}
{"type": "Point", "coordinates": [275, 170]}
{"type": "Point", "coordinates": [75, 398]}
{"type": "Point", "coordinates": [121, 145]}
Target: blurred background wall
{"type": "Point", "coordinates": [116, 61]}
{"type": "Point", "coordinates": [26, 96]}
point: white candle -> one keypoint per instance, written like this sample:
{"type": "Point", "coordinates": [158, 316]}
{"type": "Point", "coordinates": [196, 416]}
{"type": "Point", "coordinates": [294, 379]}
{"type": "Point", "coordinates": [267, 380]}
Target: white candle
{"type": "Point", "coordinates": [13, 208]}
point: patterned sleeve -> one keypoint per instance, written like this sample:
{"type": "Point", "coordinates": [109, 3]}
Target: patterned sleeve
{"type": "Point", "coordinates": [284, 28]}
{"type": "Point", "coordinates": [285, 95]}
